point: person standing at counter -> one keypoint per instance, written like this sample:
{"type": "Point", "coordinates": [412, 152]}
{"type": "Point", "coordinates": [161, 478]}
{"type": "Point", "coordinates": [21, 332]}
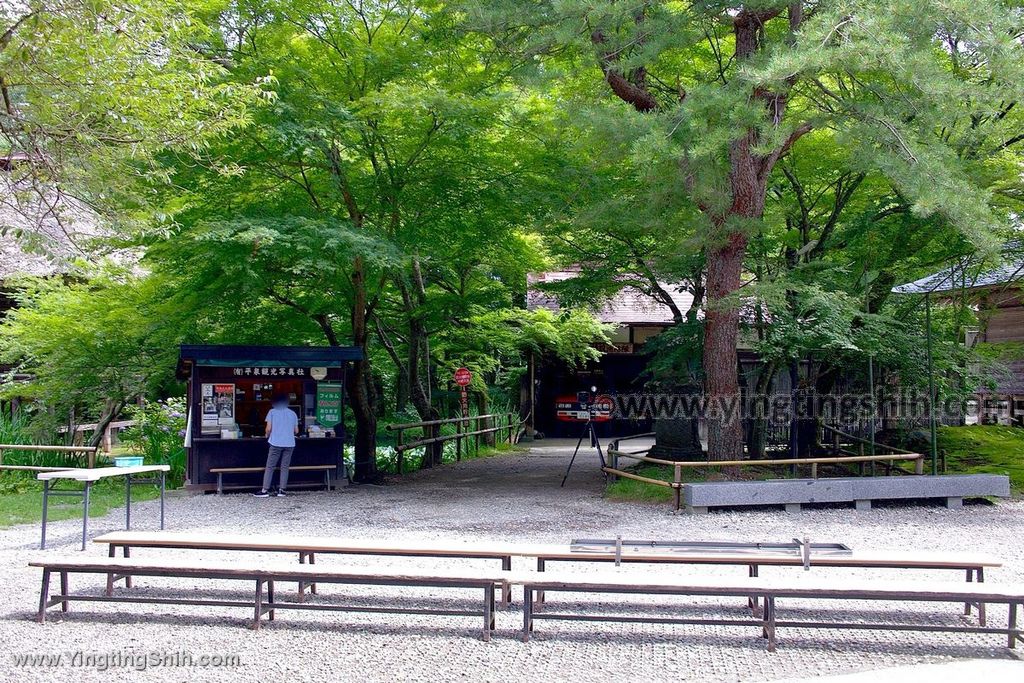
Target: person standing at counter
{"type": "Point", "coordinates": [282, 426]}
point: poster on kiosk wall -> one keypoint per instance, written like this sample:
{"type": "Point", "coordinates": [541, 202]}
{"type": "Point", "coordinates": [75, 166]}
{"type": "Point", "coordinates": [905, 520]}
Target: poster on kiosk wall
{"type": "Point", "coordinates": [218, 406]}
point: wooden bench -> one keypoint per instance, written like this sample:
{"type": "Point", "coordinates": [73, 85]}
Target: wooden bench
{"type": "Point", "coordinates": [973, 564]}
{"type": "Point", "coordinates": [307, 548]}
{"type": "Point", "coordinates": [769, 592]}
{"type": "Point", "coordinates": [264, 601]}
{"type": "Point", "coordinates": [221, 471]}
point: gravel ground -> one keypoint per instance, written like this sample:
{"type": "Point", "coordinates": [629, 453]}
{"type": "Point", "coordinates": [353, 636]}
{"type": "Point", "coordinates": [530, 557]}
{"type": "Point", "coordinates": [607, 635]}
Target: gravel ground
{"type": "Point", "coordinates": [513, 498]}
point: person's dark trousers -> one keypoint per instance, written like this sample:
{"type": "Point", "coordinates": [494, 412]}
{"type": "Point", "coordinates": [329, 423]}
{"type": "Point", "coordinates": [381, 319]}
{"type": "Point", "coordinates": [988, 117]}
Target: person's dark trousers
{"type": "Point", "coordinates": [282, 455]}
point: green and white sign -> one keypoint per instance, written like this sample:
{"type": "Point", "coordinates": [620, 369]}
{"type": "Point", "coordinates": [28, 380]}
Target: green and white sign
{"type": "Point", "coordinates": [328, 404]}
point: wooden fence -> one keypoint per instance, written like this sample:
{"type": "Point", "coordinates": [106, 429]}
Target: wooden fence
{"type": "Point", "coordinates": [89, 451]}
{"type": "Point", "coordinates": [468, 431]}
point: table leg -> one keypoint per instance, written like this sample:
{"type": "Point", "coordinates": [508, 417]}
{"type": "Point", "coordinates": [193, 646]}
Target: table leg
{"type": "Point", "coordinates": [85, 512]}
{"type": "Point", "coordinates": [163, 487]}
{"type": "Point", "coordinates": [128, 501]}
{"type": "Point", "coordinates": [46, 500]}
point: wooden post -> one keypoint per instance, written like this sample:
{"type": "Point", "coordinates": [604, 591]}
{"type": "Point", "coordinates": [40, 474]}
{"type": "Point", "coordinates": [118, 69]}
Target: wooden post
{"type": "Point", "coordinates": [919, 465]}
{"type": "Point", "coordinates": [401, 454]}
{"type": "Point", "coordinates": [91, 458]}
{"type": "Point", "coordinates": [814, 470]}
{"type": "Point", "coordinates": [458, 442]}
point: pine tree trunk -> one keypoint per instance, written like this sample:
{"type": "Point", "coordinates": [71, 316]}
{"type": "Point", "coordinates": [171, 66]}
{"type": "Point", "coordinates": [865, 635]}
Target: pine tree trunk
{"type": "Point", "coordinates": [721, 367]}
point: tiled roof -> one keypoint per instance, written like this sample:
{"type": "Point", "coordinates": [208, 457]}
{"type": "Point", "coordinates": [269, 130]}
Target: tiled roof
{"type": "Point", "coordinates": [628, 306]}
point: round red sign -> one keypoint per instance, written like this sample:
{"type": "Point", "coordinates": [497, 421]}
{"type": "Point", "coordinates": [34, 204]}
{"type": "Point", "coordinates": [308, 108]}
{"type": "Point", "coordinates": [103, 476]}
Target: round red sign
{"type": "Point", "coordinates": [463, 377]}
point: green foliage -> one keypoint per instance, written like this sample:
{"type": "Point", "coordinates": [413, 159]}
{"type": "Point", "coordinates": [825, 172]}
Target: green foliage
{"type": "Point", "coordinates": [88, 346]}
{"type": "Point", "coordinates": [984, 449]}
{"type": "Point", "coordinates": [95, 90]}
{"type": "Point", "coordinates": [159, 434]}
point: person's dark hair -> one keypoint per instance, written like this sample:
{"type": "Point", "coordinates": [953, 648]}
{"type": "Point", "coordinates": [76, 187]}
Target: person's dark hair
{"type": "Point", "coordinates": [278, 399]}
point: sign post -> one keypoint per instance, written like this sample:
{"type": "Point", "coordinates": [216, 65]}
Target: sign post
{"type": "Point", "coordinates": [463, 377]}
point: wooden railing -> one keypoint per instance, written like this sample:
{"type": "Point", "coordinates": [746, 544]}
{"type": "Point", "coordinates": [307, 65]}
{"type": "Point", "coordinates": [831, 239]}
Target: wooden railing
{"type": "Point", "coordinates": [89, 451]}
{"type": "Point", "coordinates": [841, 456]}
{"type": "Point", "coordinates": [466, 433]}
{"type": "Point", "coordinates": [834, 440]}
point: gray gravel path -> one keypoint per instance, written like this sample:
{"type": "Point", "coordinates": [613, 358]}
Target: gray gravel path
{"type": "Point", "coordinates": [514, 498]}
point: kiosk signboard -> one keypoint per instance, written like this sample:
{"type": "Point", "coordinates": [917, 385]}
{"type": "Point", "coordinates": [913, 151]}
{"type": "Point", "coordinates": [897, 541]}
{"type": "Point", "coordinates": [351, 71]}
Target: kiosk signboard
{"type": "Point", "coordinates": [328, 404]}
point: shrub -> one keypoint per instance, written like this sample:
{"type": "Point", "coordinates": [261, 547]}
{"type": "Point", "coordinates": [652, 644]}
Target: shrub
{"type": "Point", "coordinates": [159, 435]}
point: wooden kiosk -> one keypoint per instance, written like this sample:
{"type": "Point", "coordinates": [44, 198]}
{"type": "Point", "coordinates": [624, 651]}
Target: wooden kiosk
{"type": "Point", "coordinates": [229, 394]}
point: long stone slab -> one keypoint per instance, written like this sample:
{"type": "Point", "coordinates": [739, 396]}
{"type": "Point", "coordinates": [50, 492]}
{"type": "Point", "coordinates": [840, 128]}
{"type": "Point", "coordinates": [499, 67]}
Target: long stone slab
{"type": "Point", "coordinates": [792, 493]}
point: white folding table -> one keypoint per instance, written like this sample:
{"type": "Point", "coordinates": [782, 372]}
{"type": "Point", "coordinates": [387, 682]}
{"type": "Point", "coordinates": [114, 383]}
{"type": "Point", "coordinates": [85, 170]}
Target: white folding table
{"type": "Point", "coordinates": [88, 477]}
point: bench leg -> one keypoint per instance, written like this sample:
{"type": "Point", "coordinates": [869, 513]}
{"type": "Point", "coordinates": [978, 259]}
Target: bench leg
{"type": "Point", "coordinates": [302, 584]}
{"type": "Point", "coordinates": [44, 597]}
{"type": "Point", "coordinates": [540, 594]}
{"type": "Point", "coordinates": [110, 577]}
{"type": "Point", "coordinates": [488, 612]}
{"type": "Point", "coordinates": [220, 483]}
{"type": "Point", "coordinates": [527, 612]}
{"type": "Point", "coordinates": [1011, 627]}
{"type": "Point", "coordinates": [257, 606]}
{"type": "Point", "coordinates": [312, 586]}
{"type": "Point", "coordinates": [506, 587]}
{"type": "Point", "coordinates": [270, 599]}
{"type": "Point", "coordinates": [64, 604]}
{"type": "Point", "coordinates": [752, 601]}
{"type": "Point", "coordinates": [769, 611]}
{"type": "Point", "coordinates": [127, 553]}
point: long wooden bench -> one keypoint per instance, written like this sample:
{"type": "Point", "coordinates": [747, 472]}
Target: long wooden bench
{"type": "Point", "coordinates": [306, 548]}
{"type": "Point", "coordinates": [265, 601]}
{"type": "Point", "coordinates": [973, 564]}
{"type": "Point", "coordinates": [770, 591]}
{"type": "Point", "coordinates": [221, 471]}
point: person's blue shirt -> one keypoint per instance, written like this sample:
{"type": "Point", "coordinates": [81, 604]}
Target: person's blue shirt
{"type": "Point", "coordinates": [283, 424]}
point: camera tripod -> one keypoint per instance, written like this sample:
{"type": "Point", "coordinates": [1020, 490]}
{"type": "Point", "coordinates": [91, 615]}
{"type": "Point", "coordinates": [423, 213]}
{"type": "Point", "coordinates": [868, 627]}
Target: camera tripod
{"type": "Point", "coordinates": [588, 428]}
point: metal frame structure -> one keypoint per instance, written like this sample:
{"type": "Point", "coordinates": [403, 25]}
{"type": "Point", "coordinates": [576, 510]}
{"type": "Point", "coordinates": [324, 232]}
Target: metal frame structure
{"type": "Point", "coordinates": [129, 481]}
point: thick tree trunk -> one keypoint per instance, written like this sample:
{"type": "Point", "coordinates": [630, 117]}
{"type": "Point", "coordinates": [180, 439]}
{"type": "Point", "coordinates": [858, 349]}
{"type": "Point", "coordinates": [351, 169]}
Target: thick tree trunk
{"type": "Point", "coordinates": [360, 382]}
{"type": "Point", "coordinates": [721, 367]}
{"type": "Point", "coordinates": [419, 390]}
